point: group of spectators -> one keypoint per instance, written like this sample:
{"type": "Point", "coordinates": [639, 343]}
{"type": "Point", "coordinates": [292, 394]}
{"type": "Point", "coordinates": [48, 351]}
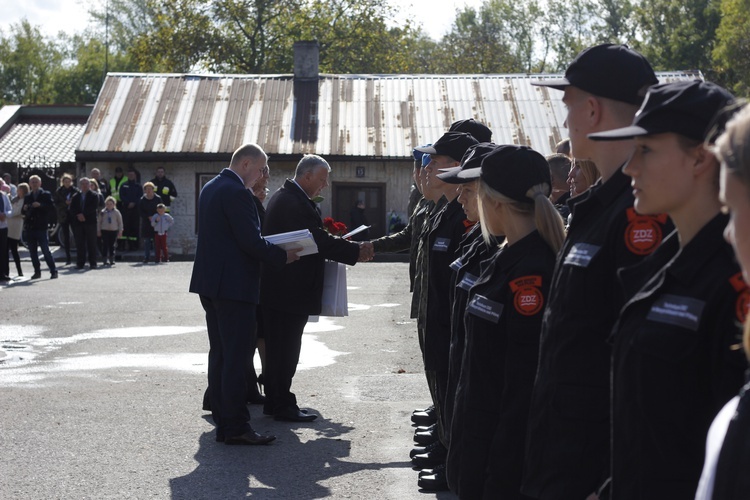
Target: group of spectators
{"type": "Point", "coordinates": [101, 215]}
{"type": "Point", "coordinates": [579, 343]}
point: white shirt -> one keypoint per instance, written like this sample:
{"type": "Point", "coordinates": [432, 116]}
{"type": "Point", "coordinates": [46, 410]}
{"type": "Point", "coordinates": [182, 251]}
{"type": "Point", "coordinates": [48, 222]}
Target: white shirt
{"type": "Point", "coordinates": [714, 442]}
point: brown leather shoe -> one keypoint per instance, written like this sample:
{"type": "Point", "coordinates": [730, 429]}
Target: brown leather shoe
{"type": "Point", "coordinates": [250, 437]}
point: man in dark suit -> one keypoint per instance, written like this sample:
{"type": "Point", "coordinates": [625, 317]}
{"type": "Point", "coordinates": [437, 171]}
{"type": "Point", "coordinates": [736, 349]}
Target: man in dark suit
{"type": "Point", "coordinates": [225, 275]}
{"type": "Point", "coordinates": [82, 213]}
{"type": "Point", "coordinates": [36, 207]}
{"type": "Point", "coordinates": [289, 295]}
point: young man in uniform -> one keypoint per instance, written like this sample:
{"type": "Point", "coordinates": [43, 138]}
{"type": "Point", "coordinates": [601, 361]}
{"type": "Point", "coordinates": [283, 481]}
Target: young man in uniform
{"type": "Point", "coordinates": [567, 453]}
{"type": "Point", "coordinates": [446, 227]}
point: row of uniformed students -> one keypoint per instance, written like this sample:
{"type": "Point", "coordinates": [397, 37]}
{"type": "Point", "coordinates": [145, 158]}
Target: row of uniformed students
{"type": "Point", "coordinates": [589, 364]}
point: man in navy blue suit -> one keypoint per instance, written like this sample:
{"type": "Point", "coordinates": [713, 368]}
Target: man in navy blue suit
{"type": "Point", "coordinates": [226, 275]}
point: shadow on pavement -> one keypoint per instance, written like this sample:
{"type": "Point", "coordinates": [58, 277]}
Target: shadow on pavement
{"type": "Point", "coordinates": [287, 468]}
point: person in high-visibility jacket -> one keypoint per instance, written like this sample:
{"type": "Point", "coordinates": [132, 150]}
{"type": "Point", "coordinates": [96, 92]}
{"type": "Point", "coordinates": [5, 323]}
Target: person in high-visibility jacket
{"type": "Point", "coordinates": [114, 186]}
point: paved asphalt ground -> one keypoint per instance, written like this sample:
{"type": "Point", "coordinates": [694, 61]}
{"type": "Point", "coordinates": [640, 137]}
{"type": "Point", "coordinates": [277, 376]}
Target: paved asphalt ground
{"type": "Point", "coordinates": [102, 374]}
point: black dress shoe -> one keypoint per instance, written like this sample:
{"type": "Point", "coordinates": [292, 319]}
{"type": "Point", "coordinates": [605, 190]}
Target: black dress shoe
{"type": "Point", "coordinates": [425, 438]}
{"type": "Point", "coordinates": [250, 437]}
{"type": "Point", "coordinates": [433, 482]}
{"type": "Point", "coordinates": [294, 415]}
{"type": "Point", "coordinates": [426, 428]}
{"type": "Point", "coordinates": [424, 417]}
{"type": "Point", "coordinates": [428, 409]}
{"type": "Point", "coordinates": [428, 472]}
{"type": "Point", "coordinates": [425, 449]}
{"type": "Point", "coordinates": [53, 276]}
{"type": "Point", "coordinates": [432, 458]}
{"type": "Point", "coordinates": [36, 276]}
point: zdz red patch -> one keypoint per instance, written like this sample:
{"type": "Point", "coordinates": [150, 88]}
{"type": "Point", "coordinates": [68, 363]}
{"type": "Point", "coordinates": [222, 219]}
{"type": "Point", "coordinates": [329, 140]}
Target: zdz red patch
{"type": "Point", "coordinates": [743, 296]}
{"type": "Point", "coordinates": [528, 299]}
{"type": "Point", "coordinates": [644, 233]}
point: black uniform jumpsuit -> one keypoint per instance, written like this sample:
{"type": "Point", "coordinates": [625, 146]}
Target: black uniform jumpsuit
{"type": "Point", "coordinates": [503, 322]}
{"type": "Point", "coordinates": [675, 363]}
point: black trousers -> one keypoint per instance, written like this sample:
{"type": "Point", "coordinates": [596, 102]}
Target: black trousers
{"type": "Point", "coordinates": [283, 331]}
{"type": "Point", "coordinates": [85, 235]}
{"type": "Point", "coordinates": [109, 239]}
{"type": "Point", "coordinates": [13, 248]}
{"type": "Point", "coordinates": [437, 382]}
{"type": "Point", "coordinates": [4, 264]}
{"type": "Point", "coordinates": [231, 332]}
{"type": "Point", "coordinates": [64, 231]}
{"type": "Point", "coordinates": [131, 224]}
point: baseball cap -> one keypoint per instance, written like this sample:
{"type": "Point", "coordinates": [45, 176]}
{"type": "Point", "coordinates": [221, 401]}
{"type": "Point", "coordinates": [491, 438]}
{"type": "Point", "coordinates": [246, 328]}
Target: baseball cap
{"type": "Point", "coordinates": [472, 159]}
{"type": "Point", "coordinates": [511, 171]}
{"type": "Point", "coordinates": [418, 154]}
{"type": "Point", "coordinates": [453, 144]}
{"type": "Point", "coordinates": [684, 108]}
{"type": "Point", "coordinates": [479, 130]}
{"type": "Point", "coordinates": [613, 71]}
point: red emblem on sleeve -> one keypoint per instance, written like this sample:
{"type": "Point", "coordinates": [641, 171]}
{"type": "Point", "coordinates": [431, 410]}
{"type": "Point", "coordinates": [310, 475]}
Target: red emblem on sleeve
{"type": "Point", "coordinates": [644, 233]}
{"type": "Point", "coordinates": [743, 296]}
{"type": "Point", "coordinates": [528, 299]}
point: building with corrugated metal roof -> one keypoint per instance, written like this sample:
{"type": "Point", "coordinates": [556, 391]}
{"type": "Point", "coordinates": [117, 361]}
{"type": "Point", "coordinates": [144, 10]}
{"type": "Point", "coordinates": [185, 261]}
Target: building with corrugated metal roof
{"type": "Point", "coordinates": [365, 126]}
{"type": "Point", "coordinates": [40, 140]}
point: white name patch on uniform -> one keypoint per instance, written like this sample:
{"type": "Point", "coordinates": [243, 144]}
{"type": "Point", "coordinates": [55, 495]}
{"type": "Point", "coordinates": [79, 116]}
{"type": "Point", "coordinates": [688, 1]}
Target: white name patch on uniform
{"type": "Point", "coordinates": [485, 308]}
{"type": "Point", "coordinates": [467, 282]}
{"type": "Point", "coordinates": [677, 310]}
{"type": "Point", "coordinates": [441, 244]}
{"type": "Point", "coordinates": [581, 254]}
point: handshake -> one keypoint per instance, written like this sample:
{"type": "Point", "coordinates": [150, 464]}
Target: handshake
{"type": "Point", "coordinates": [366, 251]}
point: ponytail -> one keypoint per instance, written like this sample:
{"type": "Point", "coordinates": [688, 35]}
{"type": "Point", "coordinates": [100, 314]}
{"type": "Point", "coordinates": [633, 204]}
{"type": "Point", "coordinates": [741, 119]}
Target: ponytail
{"type": "Point", "coordinates": [548, 220]}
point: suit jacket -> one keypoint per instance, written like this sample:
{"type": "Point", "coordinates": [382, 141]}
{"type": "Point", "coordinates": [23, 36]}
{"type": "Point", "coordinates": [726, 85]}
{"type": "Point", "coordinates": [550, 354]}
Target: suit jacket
{"type": "Point", "coordinates": [230, 248]}
{"type": "Point", "coordinates": [298, 287]}
{"type": "Point", "coordinates": [37, 218]}
{"type": "Point", "coordinates": [90, 208]}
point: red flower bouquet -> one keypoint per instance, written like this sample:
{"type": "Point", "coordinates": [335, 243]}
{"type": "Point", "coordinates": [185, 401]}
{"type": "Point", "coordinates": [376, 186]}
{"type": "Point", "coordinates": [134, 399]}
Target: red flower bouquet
{"type": "Point", "coordinates": [333, 227]}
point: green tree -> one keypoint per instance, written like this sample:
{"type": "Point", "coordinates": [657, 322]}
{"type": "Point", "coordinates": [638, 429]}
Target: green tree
{"type": "Point", "coordinates": [28, 61]}
{"type": "Point", "coordinates": [498, 37]}
{"type": "Point", "coordinates": [354, 36]}
{"type": "Point", "coordinates": [178, 39]}
{"type": "Point", "coordinates": [617, 21]}
{"type": "Point", "coordinates": [677, 35]}
{"type": "Point", "coordinates": [253, 36]}
{"type": "Point", "coordinates": [121, 22]}
{"type": "Point", "coordinates": [568, 28]}
{"type": "Point", "coordinates": [80, 78]}
{"type": "Point", "coordinates": [257, 36]}
{"type": "Point", "coordinates": [731, 55]}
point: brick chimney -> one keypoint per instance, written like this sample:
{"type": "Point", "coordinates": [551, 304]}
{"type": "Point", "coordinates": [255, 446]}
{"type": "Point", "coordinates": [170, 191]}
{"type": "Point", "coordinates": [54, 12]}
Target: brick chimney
{"type": "Point", "coordinates": [306, 60]}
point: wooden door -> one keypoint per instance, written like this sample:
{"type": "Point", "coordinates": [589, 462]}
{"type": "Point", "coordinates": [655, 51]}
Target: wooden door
{"type": "Point", "coordinates": [345, 198]}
